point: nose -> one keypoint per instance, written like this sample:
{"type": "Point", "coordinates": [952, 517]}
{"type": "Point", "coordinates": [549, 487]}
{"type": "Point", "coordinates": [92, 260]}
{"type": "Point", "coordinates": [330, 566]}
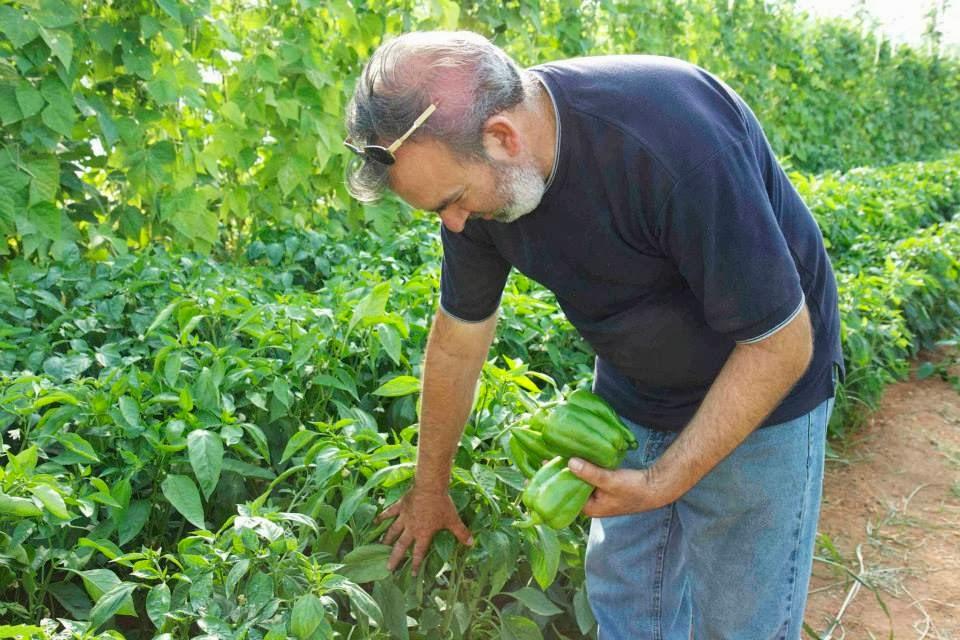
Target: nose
{"type": "Point", "coordinates": [454, 218]}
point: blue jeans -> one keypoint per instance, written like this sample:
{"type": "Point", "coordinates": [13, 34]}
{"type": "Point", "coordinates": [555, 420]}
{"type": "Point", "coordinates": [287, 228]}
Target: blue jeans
{"type": "Point", "coordinates": [731, 559]}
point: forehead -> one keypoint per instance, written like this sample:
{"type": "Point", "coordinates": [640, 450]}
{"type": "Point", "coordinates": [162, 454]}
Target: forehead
{"type": "Point", "coordinates": [425, 173]}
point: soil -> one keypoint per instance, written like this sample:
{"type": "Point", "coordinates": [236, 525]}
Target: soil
{"type": "Point", "coordinates": [893, 492]}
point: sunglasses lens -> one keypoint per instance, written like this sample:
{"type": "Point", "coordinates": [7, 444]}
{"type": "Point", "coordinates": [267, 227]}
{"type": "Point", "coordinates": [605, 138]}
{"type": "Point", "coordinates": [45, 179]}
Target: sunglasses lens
{"type": "Point", "coordinates": [372, 152]}
{"type": "Point", "coordinates": [379, 154]}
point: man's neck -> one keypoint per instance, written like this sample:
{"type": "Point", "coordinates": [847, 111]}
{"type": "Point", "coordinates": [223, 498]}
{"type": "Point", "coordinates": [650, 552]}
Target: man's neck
{"type": "Point", "coordinates": [541, 125]}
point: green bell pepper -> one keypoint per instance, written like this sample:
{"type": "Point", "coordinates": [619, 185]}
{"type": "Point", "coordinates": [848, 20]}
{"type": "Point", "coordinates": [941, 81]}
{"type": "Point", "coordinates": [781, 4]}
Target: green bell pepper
{"type": "Point", "coordinates": [532, 442]}
{"type": "Point", "coordinates": [573, 431]}
{"type": "Point", "coordinates": [555, 495]}
{"type": "Point", "coordinates": [595, 404]}
{"type": "Point", "coordinates": [520, 458]}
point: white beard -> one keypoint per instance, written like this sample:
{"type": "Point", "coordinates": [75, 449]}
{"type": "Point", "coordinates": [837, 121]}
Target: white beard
{"type": "Point", "coordinates": [521, 188]}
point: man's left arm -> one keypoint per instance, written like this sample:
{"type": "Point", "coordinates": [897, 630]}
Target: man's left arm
{"type": "Point", "coordinates": [752, 382]}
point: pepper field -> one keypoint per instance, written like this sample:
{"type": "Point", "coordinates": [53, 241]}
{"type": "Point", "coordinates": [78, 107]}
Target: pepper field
{"type": "Point", "coordinates": [210, 356]}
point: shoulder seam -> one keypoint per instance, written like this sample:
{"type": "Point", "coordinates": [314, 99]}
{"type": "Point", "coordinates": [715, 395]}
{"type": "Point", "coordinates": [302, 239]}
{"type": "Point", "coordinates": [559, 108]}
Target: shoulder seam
{"type": "Point", "coordinates": [696, 169]}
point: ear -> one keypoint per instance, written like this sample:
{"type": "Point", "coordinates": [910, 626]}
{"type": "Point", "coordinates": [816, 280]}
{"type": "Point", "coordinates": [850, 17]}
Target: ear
{"type": "Point", "coordinates": [501, 138]}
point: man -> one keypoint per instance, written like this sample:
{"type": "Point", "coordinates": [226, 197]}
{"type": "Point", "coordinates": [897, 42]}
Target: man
{"type": "Point", "coordinates": [642, 192]}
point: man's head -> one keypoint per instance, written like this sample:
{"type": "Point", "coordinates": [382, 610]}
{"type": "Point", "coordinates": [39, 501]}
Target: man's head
{"type": "Point", "coordinates": [474, 154]}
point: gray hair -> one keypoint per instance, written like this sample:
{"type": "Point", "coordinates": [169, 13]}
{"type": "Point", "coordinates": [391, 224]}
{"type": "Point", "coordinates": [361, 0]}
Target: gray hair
{"type": "Point", "coordinates": [464, 74]}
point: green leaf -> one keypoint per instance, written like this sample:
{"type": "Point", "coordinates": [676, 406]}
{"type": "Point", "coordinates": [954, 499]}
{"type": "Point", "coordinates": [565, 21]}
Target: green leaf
{"type": "Point", "coordinates": [205, 450]}
{"type": "Point", "coordinates": [48, 221]}
{"type": "Point", "coordinates": [107, 548]}
{"type": "Point", "coordinates": [78, 445]}
{"type": "Point", "coordinates": [106, 36]}
{"type": "Point", "coordinates": [7, 207]}
{"type": "Point", "coordinates": [390, 341]}
{"type": "Point", "coordinates": [45, 179]}
{"type": "Point", "coordinates": [536, 601]}
{"type": "Point", "coordinates": [130, 411]}
{"type": "Point", "coordinates": [236, 573]}
{"type": "Point", "coordinates": [367, 563]}
{"type": "Point", "coordinates": [399, 386]}
{"type": "Point", "coordinates": [60, 118]}
{"type": "Point", "coordinates": [64, 368]}
{"type": "Point", "coordinates": [182, 493]}
{"type": "Point", "coordinates": [22, 631]}
{"type": "Point", "coordinates": [582, 611]}
{"type": "Point", "coordinates": [299, 440]}
{"type": "Point", "coordinates": [544, 556]}
{"type": "Point", "coordinates": [132, 521]}
{"type": "Point", "coordinates": [52, 500]}
{"type": "Point", "coordinates": [288, 109]}
{"type": "Point", "coordinates": [149, 26]}
{"type": "Point", "coordinates": [307, 616]}
{"type": "Point", "coordinates": [194, 220]}
{"type": "Point", "coordinates": [99, 581]}
{"type": "Point", "coordinates": [362, 602]}
{"type": "Point", "coordinates": [73, 599]}
{"type": "Point", "coordinates": [163, 91]}
{"type": "Point", "coordinates": [9, 109]}
{"type": "Point", "coordinates": [171, 368]}
{"type": "Point", "coordinates": [293, 174]}
{"type": "Point", "coordinates": [232, 112]}
{"type": "Point", "coordinates": [139, 60]}
{"type": "Point", "coordinates": [519, 628]}
{"type": "Point", "coordinates": [18, 28]}
{"type": "Point", "coordinates": [19, 507]}
{"type": "Point", "coordinates": [925, 370]}
{"type": "Point", "coordinates": [205, 391]}
{"type": "Point", "coordinates": [161, 318]}
{"type": "Point", "coordinates": [248, 470]}
{"type": "Point", "coordinates": [56, 13]}
{"type": "Point", "coordinates": [348, 506]}
{"type": "Point", "coordinates": [158, 604]}
{"type": "Point", "coordinates": [29, 99]}
{"type": "Point", "coordinates": [56, 396]}
{"type": "Point", "coordinates": [393, 604]}
{"type": "Point", "coordinates": [61, 45]}
{"type": "Point", "coordinates": [111, 603]}
{"type": "Point", "coordinates": [171, 8]}
{"type": "Point", "coordinates": [372, 305]}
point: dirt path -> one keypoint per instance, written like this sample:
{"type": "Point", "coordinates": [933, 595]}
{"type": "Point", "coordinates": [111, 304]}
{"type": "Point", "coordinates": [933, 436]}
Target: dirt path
{"type": "Point", "coordinates": [894, 495]}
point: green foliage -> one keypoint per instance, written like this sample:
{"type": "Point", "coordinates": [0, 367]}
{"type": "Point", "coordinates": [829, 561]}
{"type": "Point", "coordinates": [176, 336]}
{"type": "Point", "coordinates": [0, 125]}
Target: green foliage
{"type": "Point", "coordinates": [190, 432]}
{"type": "Point", "coordinates": [128, 123]}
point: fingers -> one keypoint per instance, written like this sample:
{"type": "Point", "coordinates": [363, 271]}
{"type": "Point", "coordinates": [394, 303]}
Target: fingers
{"type": "Point", "coordinates": [389, 512]}
{"type": "Point", "coordinates": [394, 531]}
{"type": "Point", "coordinates": [597, 476]}
{"type": "Point", "coordinates": [461, 532]}
{"type": "Point", "coordinates": [399, 550]}
{"type": "Point", "coordinates": [419, 553]}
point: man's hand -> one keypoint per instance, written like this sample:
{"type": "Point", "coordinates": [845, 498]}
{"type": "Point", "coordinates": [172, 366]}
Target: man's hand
{"type": "Point", "coordinates": [420, 515]}
{"type": "Point", "coordinates": [620, 491]}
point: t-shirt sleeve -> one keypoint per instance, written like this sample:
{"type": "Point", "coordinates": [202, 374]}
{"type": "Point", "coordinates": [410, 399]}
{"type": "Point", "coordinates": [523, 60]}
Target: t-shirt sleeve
{"type": "Point", "coordinates": [719, 227]}
{"type": "Point", "coordinates": [473, 274]}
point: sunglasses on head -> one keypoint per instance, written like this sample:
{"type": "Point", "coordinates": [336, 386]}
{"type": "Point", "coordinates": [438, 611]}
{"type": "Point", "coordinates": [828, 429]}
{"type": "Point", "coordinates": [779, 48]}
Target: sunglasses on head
{"type": "Point", "coordinates": [385, 155]}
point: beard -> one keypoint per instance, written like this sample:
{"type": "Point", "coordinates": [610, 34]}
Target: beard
{"type": "Point", "coordinates": [520, 188]}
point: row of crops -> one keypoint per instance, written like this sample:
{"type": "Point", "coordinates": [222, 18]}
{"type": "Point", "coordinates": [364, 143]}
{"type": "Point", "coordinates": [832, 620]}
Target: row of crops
{"type": "Point", "coordinates": [198, 448]}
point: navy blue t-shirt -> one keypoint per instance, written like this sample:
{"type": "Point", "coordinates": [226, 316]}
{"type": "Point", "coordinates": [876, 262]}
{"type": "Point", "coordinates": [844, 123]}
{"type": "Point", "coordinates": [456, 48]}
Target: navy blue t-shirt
{"type": "Point", "coordinates": [668, 232]}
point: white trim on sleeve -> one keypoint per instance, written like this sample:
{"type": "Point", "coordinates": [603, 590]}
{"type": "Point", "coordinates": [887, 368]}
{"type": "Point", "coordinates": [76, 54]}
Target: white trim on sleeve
{"type": "Point", "coordinates": [772, 331]}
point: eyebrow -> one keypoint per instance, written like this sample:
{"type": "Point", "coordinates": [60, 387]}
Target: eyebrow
{"type": "Point", "coordinates": [446, 202]}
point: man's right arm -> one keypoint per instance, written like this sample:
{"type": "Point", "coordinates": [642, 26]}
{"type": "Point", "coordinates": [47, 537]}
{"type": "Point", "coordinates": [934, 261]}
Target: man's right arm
{"type": "Point", "coordinates": [454, 357]}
